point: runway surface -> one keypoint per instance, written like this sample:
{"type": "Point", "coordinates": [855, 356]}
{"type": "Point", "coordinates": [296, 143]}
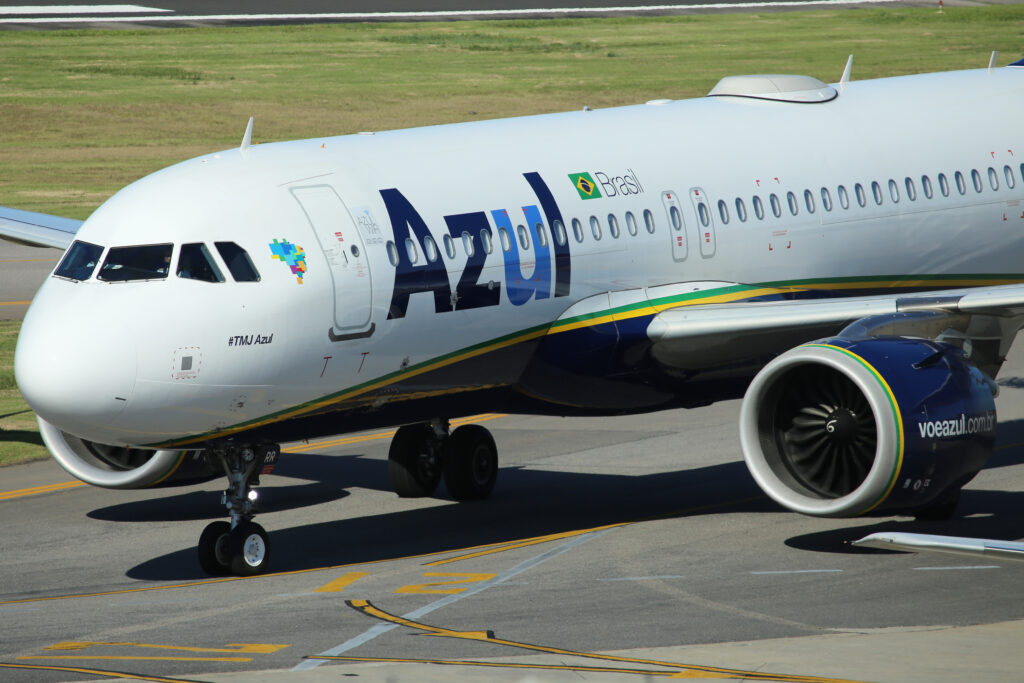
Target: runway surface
{"type": "Point", "coordinates": [612, 550]}
{"type": "Point", "coordinates": [50, 14]}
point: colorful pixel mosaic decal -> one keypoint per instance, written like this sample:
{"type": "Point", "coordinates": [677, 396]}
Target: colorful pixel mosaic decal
{"type": "Point", "coordinates": [292, 254]}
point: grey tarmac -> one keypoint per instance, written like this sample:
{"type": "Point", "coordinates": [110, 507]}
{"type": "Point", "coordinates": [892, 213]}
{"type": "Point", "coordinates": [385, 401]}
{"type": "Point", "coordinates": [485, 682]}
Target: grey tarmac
{"type": "Point", "coordinates": [606, 541]}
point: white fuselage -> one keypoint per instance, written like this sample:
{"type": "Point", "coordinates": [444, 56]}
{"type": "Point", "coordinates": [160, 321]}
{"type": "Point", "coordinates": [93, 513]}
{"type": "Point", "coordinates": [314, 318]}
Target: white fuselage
{"type": "Point", "coordinates": [353, 329]}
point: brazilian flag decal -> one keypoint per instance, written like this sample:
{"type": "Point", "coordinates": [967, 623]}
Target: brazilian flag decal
{"type": "Point", "coordinates": [585, 185]}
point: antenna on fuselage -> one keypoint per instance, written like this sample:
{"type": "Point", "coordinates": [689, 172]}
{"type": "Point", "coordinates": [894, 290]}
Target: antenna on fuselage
{"type": "Point", "coordinates": [246, 139]}
{"type": "Point", "coordinates": [992, 59]}
{"type": "Point", "coordinates": [846, 73]}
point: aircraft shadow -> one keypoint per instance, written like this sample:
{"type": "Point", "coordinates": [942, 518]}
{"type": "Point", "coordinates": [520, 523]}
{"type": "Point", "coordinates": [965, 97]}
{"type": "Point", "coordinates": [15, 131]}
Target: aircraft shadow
{"type": "Point", "coordinates": [526, 503]}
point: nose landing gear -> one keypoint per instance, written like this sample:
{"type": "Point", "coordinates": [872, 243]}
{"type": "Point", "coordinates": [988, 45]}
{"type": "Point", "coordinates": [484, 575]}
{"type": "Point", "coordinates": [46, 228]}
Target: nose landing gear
{"type": "Point", "coordinates": [240, 547]}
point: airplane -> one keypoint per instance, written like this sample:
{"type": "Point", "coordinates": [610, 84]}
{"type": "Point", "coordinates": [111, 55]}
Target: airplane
{"type": "Point", "coordinates": [845, 257]}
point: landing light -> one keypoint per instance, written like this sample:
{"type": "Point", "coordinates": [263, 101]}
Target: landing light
{"type": "Point", "coordinates": [253, 495]}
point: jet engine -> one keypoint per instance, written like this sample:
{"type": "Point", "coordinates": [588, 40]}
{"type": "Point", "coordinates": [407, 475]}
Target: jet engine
{"type": "Point", "coordinates": [839, 427]}
{"type": "Point", "coordinates": [117, 467]}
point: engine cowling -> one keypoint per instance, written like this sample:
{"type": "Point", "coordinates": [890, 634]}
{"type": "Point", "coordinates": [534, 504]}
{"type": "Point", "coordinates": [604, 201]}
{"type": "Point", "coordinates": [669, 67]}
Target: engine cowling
{"type": "Point", "coordinates": [116, 467]}
{"type": "Point", "coordinates": [839, 428]}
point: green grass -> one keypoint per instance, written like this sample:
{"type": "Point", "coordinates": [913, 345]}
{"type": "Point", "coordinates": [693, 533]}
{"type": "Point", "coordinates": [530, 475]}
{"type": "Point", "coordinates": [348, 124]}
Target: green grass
{"type": "Point", "coordinates": [19, 436]}
{"type": "Point", "coordinates": [83, 113]}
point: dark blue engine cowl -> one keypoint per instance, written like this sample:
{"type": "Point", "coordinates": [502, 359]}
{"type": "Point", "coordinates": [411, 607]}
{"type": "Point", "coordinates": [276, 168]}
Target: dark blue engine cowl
{"type": "Point", "coordinates": [838, 428]}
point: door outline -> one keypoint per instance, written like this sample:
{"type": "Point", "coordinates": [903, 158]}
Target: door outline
{"type": "Point", "coordinates": [705, 233]}
{"type": "Point", "coordinates": [677, 233]}
{"type": "Point", "coordinates": [346, 258]}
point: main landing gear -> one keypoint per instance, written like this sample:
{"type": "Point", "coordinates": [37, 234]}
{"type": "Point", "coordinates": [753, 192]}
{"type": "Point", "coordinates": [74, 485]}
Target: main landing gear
{"type": "Point", "coordinates": [240, 547]}
{"type": "Point", "coordinates": [421, 454]}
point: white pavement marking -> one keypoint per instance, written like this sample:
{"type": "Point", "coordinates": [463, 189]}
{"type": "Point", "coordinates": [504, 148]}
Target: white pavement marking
{"type": "Point", "coordinates": [944, 569]}
{"type": "Point", "coordinates": [646, 578]}
{"type": "Point", "coordinates": [453, 14]}
{"type": "Point", "coordinates": [78, 9]}
{"type": "Point", "coordinates": [380, 629]}
{"type": "Point", "coordinates": [801, 571]}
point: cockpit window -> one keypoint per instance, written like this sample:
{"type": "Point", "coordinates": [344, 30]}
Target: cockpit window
{"type": "Point", "coordinates": [80, 261]}
{"type": "Point", "coordinates": [238, 262]}
{"type": "Point", "coordinates": [148, 262]}
{"type": "Point", "coordinates": [194, 263]}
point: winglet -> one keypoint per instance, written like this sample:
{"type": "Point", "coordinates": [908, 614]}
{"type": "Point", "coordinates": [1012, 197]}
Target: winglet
{"type": "Point", "coordinates": [992, 59]}
{"type": "Point", "coordinates": [247, 138]}
{"type": "Point", "coordinates": [846, 72]}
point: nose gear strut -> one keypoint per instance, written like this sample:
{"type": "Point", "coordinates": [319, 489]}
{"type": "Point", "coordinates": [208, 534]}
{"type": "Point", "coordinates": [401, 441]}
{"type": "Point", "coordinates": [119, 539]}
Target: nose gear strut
{"type": "Point", "coordinates": [240, 547]}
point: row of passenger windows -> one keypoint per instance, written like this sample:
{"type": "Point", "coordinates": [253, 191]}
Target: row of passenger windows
{"type": "Point", "coordinates": [894, 190]}
{"type": "Point", "coordinates": [152, 262]}
{"type": "Point", "coordinates": [522, 236]}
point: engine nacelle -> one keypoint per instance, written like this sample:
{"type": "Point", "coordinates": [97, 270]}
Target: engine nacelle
{"type": "Point", "coordinates": [116, 467]}
{"type": "Point", "coordinates": [838, 428]}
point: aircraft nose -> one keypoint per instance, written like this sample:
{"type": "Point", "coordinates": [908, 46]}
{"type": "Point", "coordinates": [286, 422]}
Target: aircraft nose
{"type": "Point", "coordinates": [75, 366]}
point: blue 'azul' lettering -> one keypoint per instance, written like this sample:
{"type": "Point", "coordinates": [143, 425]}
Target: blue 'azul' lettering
{"type": "Point", "coordinates": [468, 293]}
{"type": "Point", "coordinates": [409, 278]}
{"type": "Point", "coordinates": [432, 276]}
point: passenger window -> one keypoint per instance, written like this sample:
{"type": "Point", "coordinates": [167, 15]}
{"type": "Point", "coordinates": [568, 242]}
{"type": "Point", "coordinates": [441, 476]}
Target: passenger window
{"type": "Point", "coordinates": [559, 229]}
{"type": "Point", "coordinates": [926, 186]}
{"type": "Point", "coordinates": [976, 179]}
{"type": "Point", "coordinates": [487, 240]}
{"type": "Point", "coordinates": [430, 248]}
{"type": "Point", "coordinates": [862, 198]}
{"type": "Point", "coordinates": [723, 212]}
{"type": "Point", "coordinates": [894, 191]}
{"type": "Point", "coordinates": [809, 200]}
{"type": "Point", "coordinates": [911, 190]}
{"type": "Point", "coordinates": [943, 185]}
{"type": "Point", "coordinates": [676, 218]}
{"type": "Point", "coordinates": [80, 261]}
{"type": "Point", "coordinates": [1008, 174]}
{"type": "Point", "coordinates": [844, 198]}
{"type": "Point", "coordinates": [240, 265]}
{"type": "Point", "coordinates": [776, 205]}
{"type": "Point", "coordinates": [876, 191]}
{"type": "Point", "coordinates": [194, 263]}
{"type": "Point", "coordinates": [961, 184]}
{"type": "Point", "coordinates": [791, 200]}
{"type": "Point", "coordinates": [524, 237]}
{"type": "Point", "coordinates": [631, 223]}
{"type": "Point", "coordinates": [702, 213]}
{"type": "Point", "coordinates": [449, 246]}
{"type": "Point", "coordinates": [741, 210]}
{"type": "Point", "coordinates": [467, 244]}
{"type": "Point", "coordinates": [613, 225]}
{"type": "Point", "coordinates": [577, 229]}
{"type": "Point", "coordinates": [758, 207]}
{"type": "Point", "coordinates": [649, 221]}
{"type": "Point", "coordinates": [993, 178]}
{"type": "Point", "coordinates": [410, 250]}
{"type": "Point", "coordinates": [392, 253]}
{"type": "Point", "coordinates": [149, 262]}
{"type": "Point", "coordinates": [542, 235]}
{"type": "Point", "coordinates": [506, 241]}
{"type": "Point", "coordinates": [595, 227]}
{"type": "Point", "coordinates": [826, 199]}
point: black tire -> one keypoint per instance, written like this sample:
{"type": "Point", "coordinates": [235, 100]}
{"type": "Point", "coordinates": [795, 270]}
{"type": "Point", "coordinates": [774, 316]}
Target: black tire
{"type": "Point", "coordinates": [214, 557]}
{"type": "Point", "coordinates": [249, 548]}
{"type": "Point", "coordinates": [470, 463]}
{"type": "Point", "coordinates": [414, 468]}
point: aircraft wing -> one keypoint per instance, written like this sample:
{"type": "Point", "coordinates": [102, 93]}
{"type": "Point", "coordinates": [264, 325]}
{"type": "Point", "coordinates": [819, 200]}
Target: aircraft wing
{"type": "Point", "coordinates": [37, 229]}
{"type": "Point", "coordinates": [1011, 550]}
{"type": "Point", "coordinates": [737, 318]}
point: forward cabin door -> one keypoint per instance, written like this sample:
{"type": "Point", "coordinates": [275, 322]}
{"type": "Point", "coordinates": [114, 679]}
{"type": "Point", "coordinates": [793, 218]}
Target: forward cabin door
{"type": "Point", "coordinates": [345, 252]}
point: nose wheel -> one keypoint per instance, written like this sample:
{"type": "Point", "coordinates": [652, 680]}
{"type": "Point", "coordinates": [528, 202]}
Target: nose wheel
{"type": "Point", "coordinates": [241, 546]}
